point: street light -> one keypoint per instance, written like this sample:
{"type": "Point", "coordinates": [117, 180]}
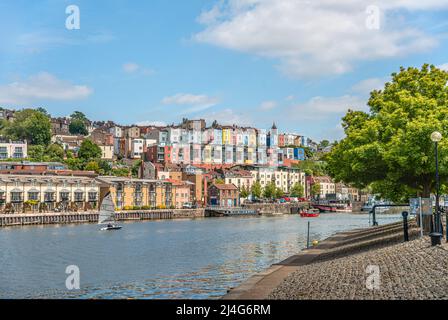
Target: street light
{"type": "Point", "coordinates": [437, 235]}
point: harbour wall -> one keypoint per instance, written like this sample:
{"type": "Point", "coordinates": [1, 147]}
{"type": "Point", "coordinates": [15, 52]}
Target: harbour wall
{"type": "Point", "coordinates": [92, 217]}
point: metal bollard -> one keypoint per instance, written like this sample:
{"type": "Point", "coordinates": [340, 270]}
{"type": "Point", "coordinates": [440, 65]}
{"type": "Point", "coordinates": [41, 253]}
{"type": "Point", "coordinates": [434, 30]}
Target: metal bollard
{"type": "Point", "coordinates": [405, 225]}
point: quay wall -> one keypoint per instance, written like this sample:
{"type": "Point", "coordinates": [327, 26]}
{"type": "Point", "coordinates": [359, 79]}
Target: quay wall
{"type": "Point", "coordinates": [92, 217]}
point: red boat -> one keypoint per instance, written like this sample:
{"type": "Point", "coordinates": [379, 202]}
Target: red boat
{"type": "Point", "coordinates": [310, 213]}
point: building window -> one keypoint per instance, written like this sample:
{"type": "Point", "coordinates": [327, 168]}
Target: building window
{"type": "Point", "coordinates": [3, 153]}
{"type": "Point", "coordinates": [93, 196]}
{"type": "Point", "coordinates": [16, 197]}
{"type": "Point", "coordinates": [49, 197]}
{"type": "Point", "coordinates": [79, 196]}
{"type": "Point", "coordinates": [32, 195]}
{"type": "Point", "coordinates": [64, 196]}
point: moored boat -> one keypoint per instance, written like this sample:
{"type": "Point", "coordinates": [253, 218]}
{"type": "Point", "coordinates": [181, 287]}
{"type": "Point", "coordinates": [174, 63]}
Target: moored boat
{"type": "Point", "coordinates": [309, 213]}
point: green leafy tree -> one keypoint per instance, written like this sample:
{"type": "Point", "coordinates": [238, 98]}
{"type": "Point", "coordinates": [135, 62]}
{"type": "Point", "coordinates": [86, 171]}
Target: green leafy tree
{"type": "Point", "coordinates": [43, 111]}
{"type": "Point", "coordinates": [136, 167]}
{"type": "Point", "coordinates": [297, 190]}
{"type": "Point", "coordinates": [54, 152]}
{"type": "Point", "coordinates": [93, 166]}
{"type": "Point", "coordinates": [244, 192]}
{"type": "Point", "coordinates": [315, 189]}
{"type": "Point", "coordinates": [78, 115]}
{"type": "Point", "coordinates": [324, 144]}
{"type": "Point", "coordinates": [121, 172]}
{"type": "Point", "coordinates": [256, 189]}
{"type": "Point", "coordinates": [89, 151]}
{"type": "Point", "coordinates": [74, 163]}
{"type": "Point", "coordinates": [78, 127]}
{"type": "Point", "coordinates": [269, 190]}
{"type": "Point", "coordinates": [36, 153]}
{"type": "Point", "coordinates": [31, 125]}
{"type": "Point", "coordinates": [389, 147]}
{"type": "Point", "coordinates": [278, 193]}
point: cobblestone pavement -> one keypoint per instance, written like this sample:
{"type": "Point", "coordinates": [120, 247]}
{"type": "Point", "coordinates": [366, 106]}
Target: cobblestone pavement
{"type": "Point", "coordinates": [411, 270]}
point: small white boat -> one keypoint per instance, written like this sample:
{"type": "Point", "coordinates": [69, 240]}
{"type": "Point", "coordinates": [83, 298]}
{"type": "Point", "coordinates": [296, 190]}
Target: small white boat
{"type": "Point", "coordinates": [107, 214]}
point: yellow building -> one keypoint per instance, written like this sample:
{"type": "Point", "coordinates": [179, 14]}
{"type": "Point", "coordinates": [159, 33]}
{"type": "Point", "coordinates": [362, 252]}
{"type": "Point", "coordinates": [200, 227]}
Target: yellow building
{"type": "Point", "coordinates": [226, 136]}
{"type": "Point", "coordinates": [128, 193]}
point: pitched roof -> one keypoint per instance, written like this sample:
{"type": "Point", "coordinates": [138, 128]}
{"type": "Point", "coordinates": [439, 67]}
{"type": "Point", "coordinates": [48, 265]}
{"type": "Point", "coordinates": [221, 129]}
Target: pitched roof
{"type": "Point", "coordinates": [229, 186]}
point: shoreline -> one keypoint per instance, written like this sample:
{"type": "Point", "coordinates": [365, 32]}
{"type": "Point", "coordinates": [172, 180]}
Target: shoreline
{"type": "Point", "coordinates": [49, 218]}
{"type": "Point", "coordinates": [338, 246]}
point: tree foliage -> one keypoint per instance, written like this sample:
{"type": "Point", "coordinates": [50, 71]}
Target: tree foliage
{"type": "Point", "coordinates": [269, 191]}
{"type": "Point", "coordinates": [78, 127]}
{"type": "Point", "coordinates": [31, 125]}
{"type": "Point", "coordinates": [297, 190]}
{"type": "Point", "coordinates": [89, 151]}
{"type": "Point", "coordinates": [389, 147]}
{"type": "Point", "coordinates": [256, 189]}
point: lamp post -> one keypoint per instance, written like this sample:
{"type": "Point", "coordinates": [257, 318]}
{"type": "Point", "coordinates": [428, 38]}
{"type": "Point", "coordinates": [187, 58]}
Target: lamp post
{"type": "Point", "coordinates": [436, 235]}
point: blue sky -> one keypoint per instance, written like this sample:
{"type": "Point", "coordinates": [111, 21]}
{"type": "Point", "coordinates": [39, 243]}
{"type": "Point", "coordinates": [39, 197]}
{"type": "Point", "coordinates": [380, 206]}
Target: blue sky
{"type": "Point", "coordinates": [299, 63]}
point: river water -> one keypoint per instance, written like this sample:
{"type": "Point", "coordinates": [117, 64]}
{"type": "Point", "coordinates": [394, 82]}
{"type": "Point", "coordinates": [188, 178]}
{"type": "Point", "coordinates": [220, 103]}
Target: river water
{"type": "Point", "coordinates": [165, 259]}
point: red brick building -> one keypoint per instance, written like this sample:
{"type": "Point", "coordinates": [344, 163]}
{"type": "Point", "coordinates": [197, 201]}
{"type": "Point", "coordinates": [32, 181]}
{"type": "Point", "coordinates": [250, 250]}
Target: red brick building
{"type": "Point", "coordinates": [224, 195]}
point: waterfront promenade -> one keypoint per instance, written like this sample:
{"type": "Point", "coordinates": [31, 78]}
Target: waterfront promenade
{"type": "Point", "coordinates": [336, 269]}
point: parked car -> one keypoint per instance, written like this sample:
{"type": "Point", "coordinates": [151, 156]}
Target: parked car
{"type": "Point", "coordinates": [187, 205]}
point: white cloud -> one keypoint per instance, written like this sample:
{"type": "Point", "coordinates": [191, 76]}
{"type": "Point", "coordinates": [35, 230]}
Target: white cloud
{"type": "Point", "coordinates": [196, 102]}
{"type": "Point", "coordinates": [311, 38]}
{"type": "Point", "coordinates": [152, 123]}
{"type": "Point", "coordinates": [132, 67]}
{"type": "Point", "coordinates": [268, 105]}
{"type": "Point", "coordinates": [443, 66]}
{"type": "Point", "coordinates": [366, 86]}
{"type": "Point", "coordinates": [327, 107]}
{"type": "Point", "coordinates": [41, 40]}
{"type": "Point", "coordinates": [41, 87]}
{"type": "Point", "coordinates": [228, 117]}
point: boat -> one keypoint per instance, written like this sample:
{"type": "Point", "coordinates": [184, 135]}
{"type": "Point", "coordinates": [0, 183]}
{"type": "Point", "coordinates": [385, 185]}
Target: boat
{"type": "Point", "coordinates": [107, 214]}
{"type": "Point", "coordinates": [309, 213]}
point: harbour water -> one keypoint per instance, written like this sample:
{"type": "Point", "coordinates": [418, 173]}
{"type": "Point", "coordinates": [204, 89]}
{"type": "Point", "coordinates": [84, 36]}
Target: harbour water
{"type": "Point", "coordinates": [163, 259]}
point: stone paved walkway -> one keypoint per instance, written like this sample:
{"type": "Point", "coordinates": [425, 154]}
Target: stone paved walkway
{"type": "Point", "coordinates": [411, 270]}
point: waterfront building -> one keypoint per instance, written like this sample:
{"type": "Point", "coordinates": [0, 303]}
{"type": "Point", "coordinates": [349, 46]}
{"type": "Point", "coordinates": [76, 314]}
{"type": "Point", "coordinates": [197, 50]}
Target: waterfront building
{"type": "Point", "coordinates": [327, 186]}
{"type": "Point", "coordinates": [181, 193]}
{"type": "Point", "coordinates": [283, 177]}
{"type": "Point", "coordinates": [128, 193]}
{"type": "Point", "coordinates": [198, 189]}
{"type": "Point", "coordinates": [13, 149]}
{"type": "Point", "coordinates": [346, 192]}
{"type": "Point", "coordinates": [44, 193]}
{"type": "Point", "coordinates": [224, 195]}
{"type": "Point", "coordinates": [239, 178]}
